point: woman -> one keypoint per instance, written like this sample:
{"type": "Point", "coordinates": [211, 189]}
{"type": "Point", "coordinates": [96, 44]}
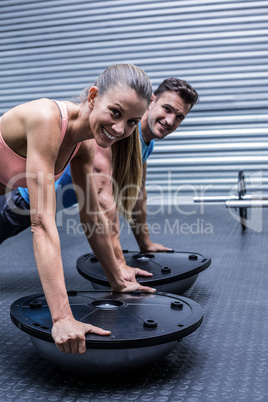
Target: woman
{"type": "Point", "coordinates": [37, 141]}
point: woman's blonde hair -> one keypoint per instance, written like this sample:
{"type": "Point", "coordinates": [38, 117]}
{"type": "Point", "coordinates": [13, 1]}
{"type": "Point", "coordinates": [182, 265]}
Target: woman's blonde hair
{"type": "Point", "coordinates": [126, 153]}
{"type": "Point", "coordinates": [127, 173]}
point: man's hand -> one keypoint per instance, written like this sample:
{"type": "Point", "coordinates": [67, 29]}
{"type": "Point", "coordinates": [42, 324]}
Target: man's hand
{"type": "Point", "coordinates": [154, 247]}
{"type": "Point", "coordinates": [69, 334]}
{"type": "Point", "coordinates": [132, 286]}
{"type": "Point", "coordinates": [129, 273]}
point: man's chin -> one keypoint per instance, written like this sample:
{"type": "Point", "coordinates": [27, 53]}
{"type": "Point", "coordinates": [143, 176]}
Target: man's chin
{"type": "Point", "coordinates": [159, 136]}
{"type": "Point", "coordinates": [161, 132]}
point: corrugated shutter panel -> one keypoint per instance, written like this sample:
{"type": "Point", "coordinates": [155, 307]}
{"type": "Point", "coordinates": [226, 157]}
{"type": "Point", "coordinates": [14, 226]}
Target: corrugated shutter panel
{"type": "Point", "coordinates": [55, 48]}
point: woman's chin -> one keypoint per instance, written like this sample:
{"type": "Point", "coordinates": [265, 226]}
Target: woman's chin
{"type": "Point", "coordinates": [103, 143]}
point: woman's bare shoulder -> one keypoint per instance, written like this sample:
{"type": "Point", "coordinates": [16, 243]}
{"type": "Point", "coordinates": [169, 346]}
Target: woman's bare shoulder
{"type": "Point", "coordinates": [34, 111]}
{"type": "Point", "coordinates": [26, 121]}
{"type": "Point", "coordinates": [42, 109]}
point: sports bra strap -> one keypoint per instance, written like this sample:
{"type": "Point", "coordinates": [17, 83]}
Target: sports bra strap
{"type": "Point", "coordinates": [64, 118]}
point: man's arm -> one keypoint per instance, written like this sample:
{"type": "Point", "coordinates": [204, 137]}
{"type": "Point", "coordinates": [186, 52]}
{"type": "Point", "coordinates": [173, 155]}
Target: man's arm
{"type": "Point", "coordinates": [95, 224]}
{"type": "Point", "coordinates": [139, 215]}
{"type": "Point", "coordinates": [140, 228]}
{"type": "Point", "coordinates": [103, 181]}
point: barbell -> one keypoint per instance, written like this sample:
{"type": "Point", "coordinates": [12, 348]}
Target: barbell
{"type": "Point", "coordinates": [241, 201]}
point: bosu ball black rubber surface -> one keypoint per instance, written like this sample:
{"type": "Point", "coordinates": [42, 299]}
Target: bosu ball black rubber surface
{"type": "Point", "coordinates": [144, 328]}
{"type": "Point", "coordinates": [173, 271]}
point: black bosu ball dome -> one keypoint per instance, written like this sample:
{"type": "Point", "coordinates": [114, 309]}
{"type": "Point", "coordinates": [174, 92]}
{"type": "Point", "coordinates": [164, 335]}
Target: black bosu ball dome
{"type": "Point", "coordinates": [173, 271]}
{"type": "Point", "coordinates": [145, 327]}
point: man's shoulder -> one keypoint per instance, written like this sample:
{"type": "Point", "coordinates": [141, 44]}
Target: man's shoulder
{"type": "Point", "coordinates": [151, 147]}
{"type": "Point", "coordinates": [147, 150]}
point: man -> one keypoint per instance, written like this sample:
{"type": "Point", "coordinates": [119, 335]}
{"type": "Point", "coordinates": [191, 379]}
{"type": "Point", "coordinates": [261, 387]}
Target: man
{"type": "Point", "coordinates": [170, 104]}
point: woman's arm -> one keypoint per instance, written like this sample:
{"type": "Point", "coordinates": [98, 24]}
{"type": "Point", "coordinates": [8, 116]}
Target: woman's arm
{"type": "Point", "coordinates": [69, 334]}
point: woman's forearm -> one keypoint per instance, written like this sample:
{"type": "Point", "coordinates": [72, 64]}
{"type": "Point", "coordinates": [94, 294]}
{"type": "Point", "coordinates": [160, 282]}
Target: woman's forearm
{"type": "Point", "coordinates": [67, 332]}
{"type": "Point", "coordinates": [49, 264]}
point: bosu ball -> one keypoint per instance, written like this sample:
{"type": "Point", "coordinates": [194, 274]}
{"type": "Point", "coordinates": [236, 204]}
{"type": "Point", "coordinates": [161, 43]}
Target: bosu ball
{"type": "Point", "coordinates": [173, 271]}
{"type": "Point", "coordinates": [144, 327]}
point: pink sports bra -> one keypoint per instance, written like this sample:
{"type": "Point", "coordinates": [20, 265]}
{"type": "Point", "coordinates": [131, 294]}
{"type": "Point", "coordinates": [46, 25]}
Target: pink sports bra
{"type": "Point", "coordinates": [13, 166]}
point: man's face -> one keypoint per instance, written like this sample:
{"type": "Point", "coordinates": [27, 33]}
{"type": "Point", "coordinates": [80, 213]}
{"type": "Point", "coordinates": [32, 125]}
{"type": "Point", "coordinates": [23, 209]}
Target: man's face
{"type": "Point", "coordinates": [166, 113]}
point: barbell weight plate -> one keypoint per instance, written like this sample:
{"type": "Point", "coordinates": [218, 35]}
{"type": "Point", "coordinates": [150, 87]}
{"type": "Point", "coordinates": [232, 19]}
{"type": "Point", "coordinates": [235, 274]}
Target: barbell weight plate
{"type": "Point", "coordinates": [241, 193]}
{"type": "Point", "coordinates": [241, 185]}
{"type": "Point", "coordinates": [243, 217]}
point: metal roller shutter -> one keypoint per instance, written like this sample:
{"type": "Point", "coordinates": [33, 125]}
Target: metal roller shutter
{"type": "Point", "coordinates": [55, 48]}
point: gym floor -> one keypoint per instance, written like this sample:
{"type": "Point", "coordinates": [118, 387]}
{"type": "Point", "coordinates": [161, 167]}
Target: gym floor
{"type": "Point", "coordinates": [224, 359]}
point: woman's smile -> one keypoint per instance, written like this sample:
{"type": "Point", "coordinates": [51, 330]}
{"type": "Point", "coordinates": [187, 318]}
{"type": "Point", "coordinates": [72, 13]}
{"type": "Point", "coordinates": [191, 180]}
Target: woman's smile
{"type": "Point", "coordinates": [107, 134]}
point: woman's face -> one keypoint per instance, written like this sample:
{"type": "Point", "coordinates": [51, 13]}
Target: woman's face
{"type": "Point", "coordinates": [115, 114]}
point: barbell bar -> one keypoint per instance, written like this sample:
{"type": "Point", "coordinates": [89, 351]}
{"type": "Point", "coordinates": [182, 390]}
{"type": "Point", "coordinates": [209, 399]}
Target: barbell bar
{"type": "Point", "coordinates": [233, 199]}
{"type": "Point", "coordinates": [241, 201]}
{"type": "Point", "coordinates": [246, 203]}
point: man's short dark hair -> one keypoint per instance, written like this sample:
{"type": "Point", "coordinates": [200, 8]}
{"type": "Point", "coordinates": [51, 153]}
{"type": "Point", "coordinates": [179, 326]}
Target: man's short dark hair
{"type": "Point", "coordinates": [185, 91]}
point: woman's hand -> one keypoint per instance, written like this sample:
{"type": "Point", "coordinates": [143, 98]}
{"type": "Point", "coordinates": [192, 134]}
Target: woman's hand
{"type": "Point", "coordinates": [69, 334]}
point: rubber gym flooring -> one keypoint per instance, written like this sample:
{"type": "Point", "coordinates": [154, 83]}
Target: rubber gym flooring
{"type": "Point", "coordinates": [224, 359]}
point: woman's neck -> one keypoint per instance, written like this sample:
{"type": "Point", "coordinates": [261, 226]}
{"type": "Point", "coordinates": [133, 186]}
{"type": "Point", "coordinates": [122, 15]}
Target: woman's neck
{"type": "Point", "coordinates": [78, 123]}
